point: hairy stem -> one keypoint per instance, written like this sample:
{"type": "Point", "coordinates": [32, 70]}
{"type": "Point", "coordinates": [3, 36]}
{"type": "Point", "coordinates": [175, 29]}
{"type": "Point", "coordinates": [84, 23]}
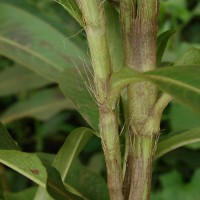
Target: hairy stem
{"type": "Point", "coordinates": [111, 147]}
{"type": "Point", "coordinates": [139, 24]}
{"type": "Point", "coordinates": [142, 167]}
{"type": "Point", "coordinates": [94, 24]}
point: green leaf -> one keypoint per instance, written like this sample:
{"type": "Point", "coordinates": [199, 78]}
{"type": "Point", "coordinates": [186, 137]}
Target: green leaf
{"type": "Point", "coordinates": [18, 79]}
{"type": "Point", "coordinates": [6, 141]}
{"type": "Point", "coordinates": [91, 185]}
{"type": "Point", "coordinates": [55, 186]}
{"type": "Point", "coordinates": [42, 194]}
{"type": "Point", "coordinates": [40, 48]}
{"type": "Point", "coordinates": [114, 34]}
{"type": "Point", "coordinates": [190, 57]}
{"type": "Point", "coordinates": [42, 105]}
{"type": "Point", "coordinates": [73, 145]}
{"type": "Point", "coordinates": [22, 195]}
{"type": "Point", "coordinates": [176, 141]}
{"type": "Point", "coordinates": [73, 9]}
{"type": "Point", "coordinates": [73, 85]}
{"type": "Point", "coordinates": [27, 164]}
{"type": "Point", "coordinates": [30, 165]}
{"type": "Point", "coordinates": [76, 177]}
{"type": "Point", "coordinates": [162, 43]}
{"type": "Point", "coordinates": [182, 82]}
{"type": "Point", "coordinates": [121, 79]}
{"type": "Point", "coordinates": [173, 187]}
{"type": "Point", "coordinates": [182, 118]}
{"type": "Point", "coordinates": [81, 181]}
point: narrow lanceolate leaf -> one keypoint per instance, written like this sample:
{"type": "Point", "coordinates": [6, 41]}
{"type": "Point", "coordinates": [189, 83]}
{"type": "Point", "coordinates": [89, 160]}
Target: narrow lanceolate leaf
{"type": "Point", "coordinates": [121, 79]}
{"type": "Point", "coordinates": [73, 145]}
{"type": "Point", "coordinates": [22, 195]}
{"type": "Point", "coordinates": [89, 184]}
{"type": "Point", "coordinates": [18, 79]}
{"type": "Point", "coordinates": [162, 43]}
{"type": "Point", "coordinates": [40, 48]}
{"type": "Point", "coordinates": [114, 35]}
{"type": "Point", "coordinates": [30, 165]}
{"type": "Point", "coordinates": [80, 181]}
{"type": "Point", "coordinates": [6, 141]}
{"type": "Point", "coordinates": [73, 9]}
{"type": "Point", "coordinates": [27, 164]}
{"type": "Point", "coordinates": [176, 141]}
{"type": "Point", "coordinates": [42, 105]}
{"type": "Point", "coordinates": [181, 82]}
{"type": "Point", "coordinates": [190, 57]}
{"type": "Point", "coordinates": [55, 186]}
{"type": "Point", "coordinates": [70, 149]}
{"type": "Point", "coordinates": [77, 86]}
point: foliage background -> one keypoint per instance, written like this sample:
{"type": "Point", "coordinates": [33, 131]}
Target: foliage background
{"type": "Point", "coordinates": [175, 175]}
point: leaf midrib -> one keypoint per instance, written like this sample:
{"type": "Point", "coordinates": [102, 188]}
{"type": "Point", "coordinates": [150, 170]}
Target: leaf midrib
{"type": "Point", "coordinates": [175, 82]}
{"type": "Point", "coordinates": [4, 40]}
{"type": "Point", "coordinates": [34, 110]}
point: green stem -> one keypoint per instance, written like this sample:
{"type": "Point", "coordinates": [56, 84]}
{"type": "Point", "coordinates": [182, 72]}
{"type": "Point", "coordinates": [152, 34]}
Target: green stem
{"type": "Point", "coordinates": [94, 19]}
{"type": "Point", "coordinates": [143, 149]}
{"type": "Point", "coordinates": [111, 147]}
{"type": "Point", "coordinates": [94, 24]}
{"type": "Point", "coordinates": [139, 23]}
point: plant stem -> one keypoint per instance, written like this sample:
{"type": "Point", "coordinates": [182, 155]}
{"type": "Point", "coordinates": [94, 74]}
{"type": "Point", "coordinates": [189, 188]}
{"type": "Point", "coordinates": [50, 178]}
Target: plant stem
{"type": "Point", "coordinates": [111, 147]}
{"type": "Point", "coordinates": [142, 167]}
{"type": "Point", "coordinates": [139, 23]}
{"type": "Point", "coordinates": [94, 19]}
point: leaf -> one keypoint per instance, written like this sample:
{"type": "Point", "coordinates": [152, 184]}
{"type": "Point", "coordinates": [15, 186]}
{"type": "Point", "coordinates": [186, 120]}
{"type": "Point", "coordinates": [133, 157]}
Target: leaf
{"type": "Point", "coordinates": [27, 164]}
{"type": "Point", "coordinates": [190, 57]}
{"type": "Point", "coordinates": [42, 105]}
{"type": "Point", "coordinates": [121, 79]}
{"type": "Point", "coordinates": [40, 48]}
{"type": "Point", "coordinates": [182, 118]}
{"type": "Point", "coordinates": [22, 195]}
{"type": "Point", "coordinates": [55, 124]}
{"type": "Point", "coordinates": [73, 9]}
{"type": "Point", "coordinates": [79, 179]}
{"type": "Point", "coordinates": [176, 141]}
{"type": "Point", "coordinates": [30, 165]}
{"type": "Point", "coordinates": [91, 185]}
{"type": "Point", "coordinates": [181, 82]}
{"type": "Point", "coordinates": [73, 145]}
{"type": "Point", "coordinates": [18, 79]}
{"type": "Point", "coordinates": [114, 35]}
{"type": "Point", "coordinates": [42, 194]}
{"type": "Point", "coordinates": [173, 187]}
{"type": "Point", "coordinates": [6, 141]}
{"type": "Point", "coordinates": [73, 85]}
{"type": "Point", "coordinates": [162, 43]}
{"type": "Point", "coordinates": [41, 10]}
{"type": "Point", "coordinates": [55, 186]}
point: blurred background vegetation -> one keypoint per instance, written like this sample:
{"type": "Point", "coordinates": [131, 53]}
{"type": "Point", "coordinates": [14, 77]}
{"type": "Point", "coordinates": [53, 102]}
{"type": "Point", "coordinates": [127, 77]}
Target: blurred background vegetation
{"type": "Point", "coordinates": [38, 124]}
